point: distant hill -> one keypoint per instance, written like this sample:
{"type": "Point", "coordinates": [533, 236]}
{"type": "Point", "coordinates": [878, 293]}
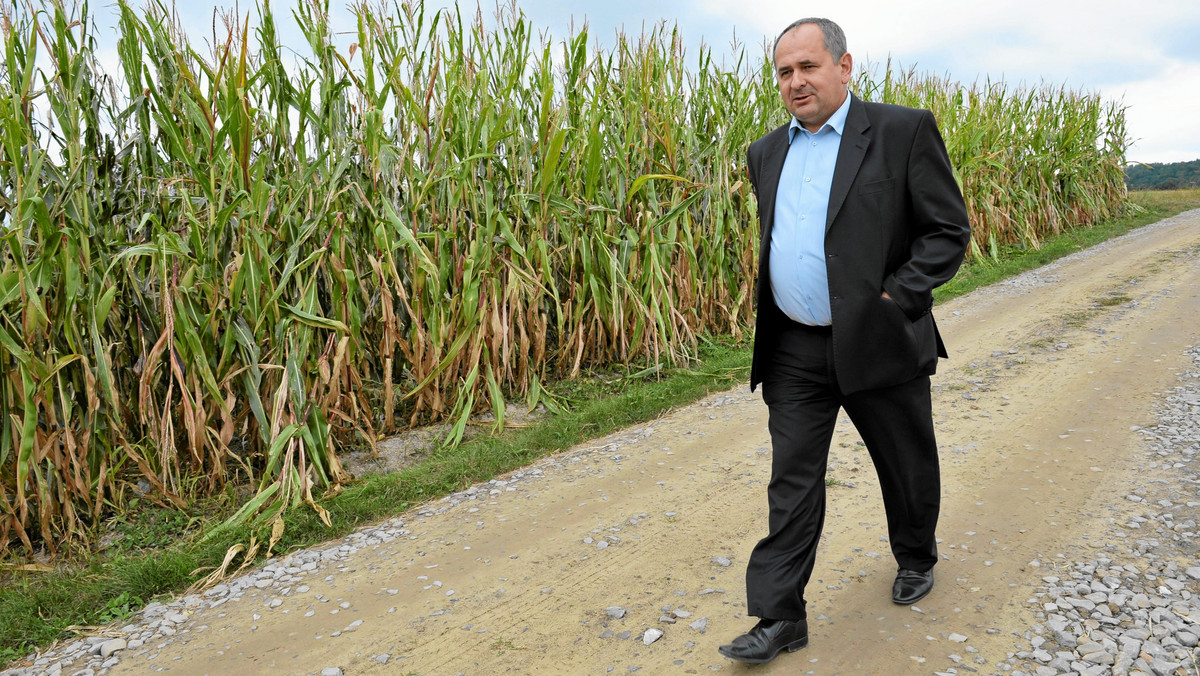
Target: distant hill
{"type": "Point", "coordinates": [1157, 176]}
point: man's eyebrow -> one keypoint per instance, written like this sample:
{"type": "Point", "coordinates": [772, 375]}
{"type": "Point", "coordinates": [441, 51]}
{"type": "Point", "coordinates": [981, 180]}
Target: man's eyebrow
{"type": "Point", "coordinates": [804, 62]}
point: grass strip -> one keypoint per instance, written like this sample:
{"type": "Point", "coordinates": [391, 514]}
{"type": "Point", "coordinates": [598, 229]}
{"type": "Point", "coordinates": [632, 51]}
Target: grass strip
{"type": "Point", "coordinates": [39, 608]}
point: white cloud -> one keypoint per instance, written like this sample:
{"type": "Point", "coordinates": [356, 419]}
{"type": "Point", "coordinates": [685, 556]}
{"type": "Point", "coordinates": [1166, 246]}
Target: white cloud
{"type": "Point", "coordinates": [1163, 113]}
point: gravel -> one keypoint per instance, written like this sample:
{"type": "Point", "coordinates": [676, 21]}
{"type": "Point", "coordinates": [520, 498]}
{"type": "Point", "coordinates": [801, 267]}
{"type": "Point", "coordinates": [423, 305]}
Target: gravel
{"type": "Point", "coordinates": [1134, 608]}
{"type": "Point", "coordinates": [160, 624]}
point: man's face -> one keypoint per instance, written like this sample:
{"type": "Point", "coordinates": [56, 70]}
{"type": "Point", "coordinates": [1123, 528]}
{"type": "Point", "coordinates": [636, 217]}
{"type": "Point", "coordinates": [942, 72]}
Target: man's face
{"type": "Point", "coordinates": [811, 83]}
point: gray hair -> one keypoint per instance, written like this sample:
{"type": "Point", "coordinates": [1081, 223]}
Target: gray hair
{"type": "Point", "coordinates": [835, 39]}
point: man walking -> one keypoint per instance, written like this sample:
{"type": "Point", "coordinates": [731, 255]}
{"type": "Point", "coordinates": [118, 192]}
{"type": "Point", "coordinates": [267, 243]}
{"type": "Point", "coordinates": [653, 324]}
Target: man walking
{"type": "Point", "coordinates": [861, 219]}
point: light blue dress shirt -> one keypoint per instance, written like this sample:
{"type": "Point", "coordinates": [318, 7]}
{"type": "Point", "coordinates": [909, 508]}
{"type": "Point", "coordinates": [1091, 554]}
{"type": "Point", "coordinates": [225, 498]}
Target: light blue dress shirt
{"type": "Point", "coordinates": [799, 279]}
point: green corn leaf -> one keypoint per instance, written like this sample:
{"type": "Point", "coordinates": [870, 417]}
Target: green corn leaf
{"type": "Point", "coordinates": [316, 321]}
{"type": "Point", "coordinates": [641, 181]}
{"type": "Point", "coordinates": [104, 305]}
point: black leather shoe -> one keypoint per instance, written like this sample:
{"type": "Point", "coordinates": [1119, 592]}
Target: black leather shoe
{"type": "Point", "coordinates": [911, 586]}
{"type": "Point", "coordinates": [762, 643]}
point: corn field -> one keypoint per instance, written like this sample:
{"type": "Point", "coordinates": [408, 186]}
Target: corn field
{"type": "Point", "coordinates": [223, 263]}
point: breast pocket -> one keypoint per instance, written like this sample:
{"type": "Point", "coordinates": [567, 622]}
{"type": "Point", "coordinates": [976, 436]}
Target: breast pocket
{"type": "Point", "coordinates": [872, 187]}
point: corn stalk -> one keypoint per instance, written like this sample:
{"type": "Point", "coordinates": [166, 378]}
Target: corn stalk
{"type": "Point", "coordinates": [224, 264]}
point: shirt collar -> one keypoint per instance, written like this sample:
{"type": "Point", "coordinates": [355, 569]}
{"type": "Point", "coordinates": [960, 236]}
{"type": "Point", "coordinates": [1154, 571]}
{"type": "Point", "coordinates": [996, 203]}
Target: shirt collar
{"type": "Point", "coordinates": [836, 122]}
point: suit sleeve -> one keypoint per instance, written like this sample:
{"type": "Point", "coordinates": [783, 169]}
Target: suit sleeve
{"type": "Point", "coordinates": [939, 229]}
{"type": "Point", "coordinates": [750, 169]}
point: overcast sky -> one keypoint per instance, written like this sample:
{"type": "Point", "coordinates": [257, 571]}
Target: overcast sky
{"type": "Point", "coordinates": [1143, 54]}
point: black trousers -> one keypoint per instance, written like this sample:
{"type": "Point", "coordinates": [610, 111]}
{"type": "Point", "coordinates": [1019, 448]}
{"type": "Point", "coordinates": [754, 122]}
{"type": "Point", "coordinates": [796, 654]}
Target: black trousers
{"type": "Point", "coordinates": [896, 424]}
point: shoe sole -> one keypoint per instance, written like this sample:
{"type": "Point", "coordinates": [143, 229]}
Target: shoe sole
{"type": "Point", "coordinates": [791, 648]}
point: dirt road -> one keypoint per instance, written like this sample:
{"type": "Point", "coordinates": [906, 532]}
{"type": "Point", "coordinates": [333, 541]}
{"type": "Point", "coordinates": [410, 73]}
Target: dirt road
{"type": "Point", "coordinates": [1048, 373]}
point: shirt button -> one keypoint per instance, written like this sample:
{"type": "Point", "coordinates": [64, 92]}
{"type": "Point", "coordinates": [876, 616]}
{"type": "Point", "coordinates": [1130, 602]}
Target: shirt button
{"type": "Point", "coordinates": [814, 144]}
{"type": "Point", "coordinates": [807, 179]}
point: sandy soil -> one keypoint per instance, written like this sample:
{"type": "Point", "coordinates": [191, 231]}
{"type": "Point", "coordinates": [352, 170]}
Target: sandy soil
{"type": "Point", "coordinates": [1048, 373]}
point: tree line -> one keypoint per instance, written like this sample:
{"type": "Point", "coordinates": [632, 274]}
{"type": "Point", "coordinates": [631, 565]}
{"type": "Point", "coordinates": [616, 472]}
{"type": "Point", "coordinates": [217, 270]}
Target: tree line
{"type": "Point", "coordinates": [1160, 176]}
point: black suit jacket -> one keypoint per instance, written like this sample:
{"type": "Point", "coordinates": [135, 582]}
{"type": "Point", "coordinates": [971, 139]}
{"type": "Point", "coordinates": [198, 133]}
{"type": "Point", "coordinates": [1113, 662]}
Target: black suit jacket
{"type": "Point", "coordinates": [897, 223]}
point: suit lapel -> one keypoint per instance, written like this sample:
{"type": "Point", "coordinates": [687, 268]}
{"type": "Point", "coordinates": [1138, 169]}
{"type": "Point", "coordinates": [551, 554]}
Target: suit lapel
{"type": "Point", "coordinates": [850, 156]}
{"type": "Point", "coordinates": [772, 168]}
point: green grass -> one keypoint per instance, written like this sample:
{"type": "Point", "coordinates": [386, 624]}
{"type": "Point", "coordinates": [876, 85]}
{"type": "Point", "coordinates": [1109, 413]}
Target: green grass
{"type": "Point", "coordinates": [1080, 318]}
{"type": "Point", "coordinates": [36, 608]}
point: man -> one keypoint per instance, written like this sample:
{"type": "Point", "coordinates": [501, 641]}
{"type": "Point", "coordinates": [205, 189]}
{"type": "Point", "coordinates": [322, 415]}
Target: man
{"type": "Point", "coordinates": [861, 219]}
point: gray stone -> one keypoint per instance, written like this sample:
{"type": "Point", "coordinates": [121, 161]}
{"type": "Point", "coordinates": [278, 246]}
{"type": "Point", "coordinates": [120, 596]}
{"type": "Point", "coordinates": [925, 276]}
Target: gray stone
{"type": "Point", "coordinates": [1066, 639]}
{"type": "Point", "coordinates": [1156, 651]}
{"type": "Point", "coordinates": [1061, 664]}
{"type": "Point", "coordinates": [109, 647]}
{"type": "Point", "coordinates": [154, 610]}
{"type": "Point", "coordinates": [1100, 657]}
{"type": "Point", "coordinates": [1089, 647]}
{"type": "Point", "coordinates": [1163, 667]}
{"type": "Point", "coordinates": [651, 636]}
